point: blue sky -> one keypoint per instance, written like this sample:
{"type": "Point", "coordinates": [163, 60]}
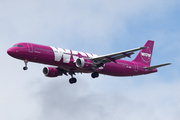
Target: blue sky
{"type": "Point", "coordinates": [99, 27]}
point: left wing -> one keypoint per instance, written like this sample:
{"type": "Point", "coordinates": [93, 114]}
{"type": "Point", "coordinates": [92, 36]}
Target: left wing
{"type": "Point", "coordinates": [101, 60]}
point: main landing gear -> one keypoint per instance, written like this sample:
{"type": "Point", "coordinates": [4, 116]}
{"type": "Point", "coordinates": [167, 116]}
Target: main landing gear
{"type": "Point", "coordinates": [95, 75]}
{"type": "Point", "coordinates": [25, 67]}
{"type": "Point", "coordinates": [72, 80]}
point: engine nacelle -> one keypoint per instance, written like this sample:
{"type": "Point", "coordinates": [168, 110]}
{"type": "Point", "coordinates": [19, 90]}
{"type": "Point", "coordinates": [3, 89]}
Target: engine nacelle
{"type": "Point", "coordinates": [84, 63]}
{"type": "Point", "coordinates": [51, 72]}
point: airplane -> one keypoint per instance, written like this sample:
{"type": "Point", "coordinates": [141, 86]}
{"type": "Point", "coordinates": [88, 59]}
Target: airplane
{"type": "Point", "coordinates": [71, 62]}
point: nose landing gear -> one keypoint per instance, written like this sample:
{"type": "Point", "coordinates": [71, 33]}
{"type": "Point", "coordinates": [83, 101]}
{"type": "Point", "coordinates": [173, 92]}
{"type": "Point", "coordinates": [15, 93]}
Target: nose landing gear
{"type": "Point", "coordinates": [25, 67]}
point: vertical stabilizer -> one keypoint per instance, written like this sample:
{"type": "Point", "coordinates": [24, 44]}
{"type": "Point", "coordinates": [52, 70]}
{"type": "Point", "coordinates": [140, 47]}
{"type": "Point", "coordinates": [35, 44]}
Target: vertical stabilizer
{"type": "Point", "coordinates": [145, 55]}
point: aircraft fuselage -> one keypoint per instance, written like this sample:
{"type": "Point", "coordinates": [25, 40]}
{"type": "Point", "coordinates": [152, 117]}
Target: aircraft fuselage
{"type": "Point", "coordinates": [65, 59]}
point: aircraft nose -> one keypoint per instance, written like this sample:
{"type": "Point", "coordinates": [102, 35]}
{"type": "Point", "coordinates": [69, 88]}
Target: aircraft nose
{"type": "Point", "coordinates": [10, 52]}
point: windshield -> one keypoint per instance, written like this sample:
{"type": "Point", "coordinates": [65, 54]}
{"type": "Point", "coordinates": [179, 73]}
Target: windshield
{"type": "Point", "coordinates": [18, 46]}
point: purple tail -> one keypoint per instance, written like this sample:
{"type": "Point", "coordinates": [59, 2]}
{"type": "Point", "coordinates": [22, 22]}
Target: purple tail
{"type": "Point", "coordinates": [145, 55]}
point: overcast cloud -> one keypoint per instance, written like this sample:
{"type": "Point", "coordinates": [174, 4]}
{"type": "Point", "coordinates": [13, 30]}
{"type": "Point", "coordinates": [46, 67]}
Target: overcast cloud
{"type": "Point", "coordinates": [95, 26]}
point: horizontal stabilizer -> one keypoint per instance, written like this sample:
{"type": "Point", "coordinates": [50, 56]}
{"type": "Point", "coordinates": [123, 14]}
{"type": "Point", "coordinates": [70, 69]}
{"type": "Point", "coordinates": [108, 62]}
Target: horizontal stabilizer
{"type": "Point", "coordinates": [156, 66]}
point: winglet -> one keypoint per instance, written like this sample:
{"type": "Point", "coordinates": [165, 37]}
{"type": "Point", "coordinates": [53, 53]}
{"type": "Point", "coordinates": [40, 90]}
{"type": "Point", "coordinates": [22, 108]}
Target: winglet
{"type": "Point", "coordinates": [156, 66]}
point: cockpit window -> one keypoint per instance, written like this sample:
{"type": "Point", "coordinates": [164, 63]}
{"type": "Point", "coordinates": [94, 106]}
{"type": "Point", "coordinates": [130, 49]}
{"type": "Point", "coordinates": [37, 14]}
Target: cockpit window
{"type": "Point", "coordinates": [17, 46]}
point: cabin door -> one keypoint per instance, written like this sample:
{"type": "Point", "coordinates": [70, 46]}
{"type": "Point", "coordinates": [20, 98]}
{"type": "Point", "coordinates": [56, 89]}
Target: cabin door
{"type": "Point", "coordinates": [30, 47]}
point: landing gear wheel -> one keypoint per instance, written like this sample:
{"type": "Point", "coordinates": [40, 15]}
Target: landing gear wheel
{"type": "Point", "coordinates": [95, 75]}
{"type": "Point", "coordinates": [25, 68]}
{"type": "Point", "coordinates": [92, 75]}
{"type": "Point", "coordinates": [72, 80]}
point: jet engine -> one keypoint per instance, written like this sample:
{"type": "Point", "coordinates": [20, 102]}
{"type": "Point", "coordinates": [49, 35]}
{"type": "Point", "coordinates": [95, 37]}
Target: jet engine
{"type": "Point", "coordinates": [51, 72]}
{"type": "Point", "coordinates": [84, 63]}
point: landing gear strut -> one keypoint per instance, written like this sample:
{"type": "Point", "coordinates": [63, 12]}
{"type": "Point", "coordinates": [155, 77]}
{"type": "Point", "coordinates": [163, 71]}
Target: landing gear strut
{"type": "Point", "coordinates": [25, 67]}
{"type": "Point", "coordinates": [72, 80]}
{"type": "Point", "coordinates": [95, 75]}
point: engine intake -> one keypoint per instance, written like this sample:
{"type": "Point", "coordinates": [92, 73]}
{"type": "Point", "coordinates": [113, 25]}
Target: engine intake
{"type": "Point", "coordinates": [51, 72]}
{"type": "Point", "coordinates": [84, 63]}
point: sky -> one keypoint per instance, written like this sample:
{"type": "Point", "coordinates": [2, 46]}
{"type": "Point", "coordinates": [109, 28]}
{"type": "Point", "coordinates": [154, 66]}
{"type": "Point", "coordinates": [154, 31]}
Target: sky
{"type": "Point", "coordinates": [93, 26]}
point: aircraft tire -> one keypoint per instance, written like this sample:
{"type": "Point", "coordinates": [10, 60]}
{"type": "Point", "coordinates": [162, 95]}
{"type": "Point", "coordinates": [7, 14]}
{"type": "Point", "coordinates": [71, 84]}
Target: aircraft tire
{"type": "Point", "coordinates": [25, 68]}
{"type": "Point", "coordinates": [72, 80]}
{"type": "Point", "coordinates": [95, 75]}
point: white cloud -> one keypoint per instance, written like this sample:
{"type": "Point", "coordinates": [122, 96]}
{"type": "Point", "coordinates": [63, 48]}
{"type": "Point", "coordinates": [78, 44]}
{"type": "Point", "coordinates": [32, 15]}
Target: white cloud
{"type": "Point", "coordinates": [151, 100]}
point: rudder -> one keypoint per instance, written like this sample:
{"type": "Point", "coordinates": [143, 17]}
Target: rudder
{"type": "Point", "coordinates": [145, 55]}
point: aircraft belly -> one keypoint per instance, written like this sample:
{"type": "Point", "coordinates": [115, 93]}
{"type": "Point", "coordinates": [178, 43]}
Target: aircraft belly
{"type": "Point", "coordinates": [115, 69]}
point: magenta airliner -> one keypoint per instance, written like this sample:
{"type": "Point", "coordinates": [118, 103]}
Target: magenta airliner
{"type": "Point", "coordinates": [66, 61]}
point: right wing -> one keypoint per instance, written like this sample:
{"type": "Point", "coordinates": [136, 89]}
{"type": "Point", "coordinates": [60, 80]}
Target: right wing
{"type": "Point", "coordinates": [101, 60]}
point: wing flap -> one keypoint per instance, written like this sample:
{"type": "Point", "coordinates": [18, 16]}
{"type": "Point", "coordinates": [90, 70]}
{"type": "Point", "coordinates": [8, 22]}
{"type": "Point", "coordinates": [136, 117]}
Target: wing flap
{"type": "Point", "coordinates": [156, 66]}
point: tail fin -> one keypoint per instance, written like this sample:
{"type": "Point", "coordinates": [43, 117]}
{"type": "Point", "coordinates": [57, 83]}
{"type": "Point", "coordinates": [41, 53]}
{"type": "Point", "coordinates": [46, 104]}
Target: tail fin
{"type": "Point", "coordinates": [145, 55]}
